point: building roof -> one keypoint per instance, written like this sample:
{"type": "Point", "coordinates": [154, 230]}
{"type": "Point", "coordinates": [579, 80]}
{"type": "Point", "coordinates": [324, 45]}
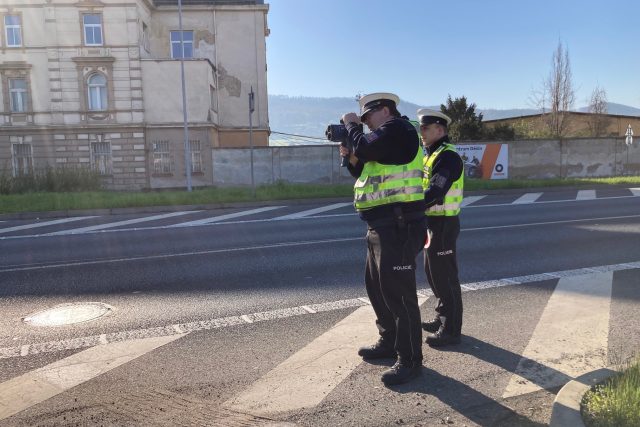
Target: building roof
{"type": "Point", "coordinates": [208, 2]}
{"type": "Point", "coordinates": [578, 113]}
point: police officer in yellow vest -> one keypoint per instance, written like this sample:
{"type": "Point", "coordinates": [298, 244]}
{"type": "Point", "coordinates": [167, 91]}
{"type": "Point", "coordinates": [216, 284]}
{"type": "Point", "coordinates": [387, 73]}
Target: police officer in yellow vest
{"type": "Point", "coordinates": [443, 183]}
{"type": "Point", "coordinates": [389, 197]}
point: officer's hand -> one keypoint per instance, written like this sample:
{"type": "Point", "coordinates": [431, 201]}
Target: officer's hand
{"type": "Point", "coordinates": [351, 118]}
{"type": "Point", "coordinates": [344, 151]}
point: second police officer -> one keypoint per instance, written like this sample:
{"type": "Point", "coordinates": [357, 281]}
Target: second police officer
{"type": "Point", "coordinates": [388, 196]}
{"type": "Point", "coordinates": [443, 183]}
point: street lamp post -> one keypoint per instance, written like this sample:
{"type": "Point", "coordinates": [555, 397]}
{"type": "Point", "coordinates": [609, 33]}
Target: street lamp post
{"type": "Point", "coordinates": [628, 140]}
{"type": "Point", "coordinates": [251, 109]}
{"type": "Point", "coordinates": [187, 149]}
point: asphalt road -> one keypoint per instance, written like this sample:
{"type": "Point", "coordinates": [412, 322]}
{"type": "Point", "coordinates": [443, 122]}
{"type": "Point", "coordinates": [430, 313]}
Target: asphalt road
{"type": "Point", "coordinates": [157, 275]}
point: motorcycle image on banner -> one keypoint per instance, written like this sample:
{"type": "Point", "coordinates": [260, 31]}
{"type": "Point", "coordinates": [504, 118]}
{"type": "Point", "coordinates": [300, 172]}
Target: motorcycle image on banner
{"type": "Point", "coordinates": [485, 161]}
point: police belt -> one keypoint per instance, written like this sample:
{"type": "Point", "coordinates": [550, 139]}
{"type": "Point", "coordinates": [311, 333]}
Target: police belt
{"type": "Point", "coordinates": [399, 219]}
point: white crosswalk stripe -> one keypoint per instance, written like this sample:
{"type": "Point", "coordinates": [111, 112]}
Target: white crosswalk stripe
{"type": "Point", "coordinates": [471, 199]}
{"type": "Point", "coordinates": [308, 212]}
{"type": "Point", "coordinates": [570, 338]}
{"type": "Point", "coordinates": [44, 224]}
{"type": "Point", "coordinates": [586, 195]}
{"type": "Point", "coordinates": [305, 378]}
{"type": "Point", "coordinates": [527, 198]}
{"type": "Point", "coordinates": [22, 392]}
{"type": "Point", "coordinates": [635, 191]}
{"type": "Point", "coordinates": [119, 223]}
{"type": "Point", "coordinates": [225, 217]}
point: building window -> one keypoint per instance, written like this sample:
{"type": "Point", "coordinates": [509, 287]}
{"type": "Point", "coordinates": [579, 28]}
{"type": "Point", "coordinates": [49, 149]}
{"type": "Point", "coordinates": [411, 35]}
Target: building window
{"type": "Point", "coordinates": [196, 156]}
{"type": "Point", "coordinates": [18, 95]}
{"type": "Point", "coordinates": [92, 25]}
{"type": "Point", "coordinates": [22, 157]}
{"type": "Point", "coordinates": [176, 46]}
{"type": "Point", "coordinates": [101, 155]}
{"type": "Point", "coordinates": [162, 163]}
{"type": "Point", "coordinates": [13, 30]}
{"type": "Point", "coordinates": [97, 85]}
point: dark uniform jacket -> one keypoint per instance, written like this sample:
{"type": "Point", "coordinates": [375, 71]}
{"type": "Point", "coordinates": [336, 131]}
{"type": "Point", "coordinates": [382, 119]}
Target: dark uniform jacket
{"type": "Point", "coordinates": [395, 142]}
{"type": "Point", "coordinates": [446, 170]}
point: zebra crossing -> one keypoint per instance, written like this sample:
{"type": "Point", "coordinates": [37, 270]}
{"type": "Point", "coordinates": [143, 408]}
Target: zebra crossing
{"type": "Point", "coordinates": [577, 310]}
{"type": "Point", "coordinates": [93, 224]}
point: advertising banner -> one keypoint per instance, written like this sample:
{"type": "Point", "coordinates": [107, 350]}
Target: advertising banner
{"type": "Point", "coordinates": [485, 161]}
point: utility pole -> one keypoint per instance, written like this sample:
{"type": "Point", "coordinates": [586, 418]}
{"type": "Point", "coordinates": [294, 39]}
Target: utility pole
{"type": "Point", "coordinates": [187, 148]}
{"type": "Point", "coordinates": [628, 140]}
{"type": "Point", "coordinates": [251, 109]}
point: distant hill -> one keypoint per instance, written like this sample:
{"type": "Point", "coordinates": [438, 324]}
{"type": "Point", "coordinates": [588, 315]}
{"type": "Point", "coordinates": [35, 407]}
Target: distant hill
{"type": "Point", "coordinates": [620, 109]}
{"type": "Point", "coordinates": [309, 116]}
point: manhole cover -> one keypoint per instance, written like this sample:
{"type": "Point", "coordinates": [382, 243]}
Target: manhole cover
{"type": "Point", "coordinates": [67, 314]}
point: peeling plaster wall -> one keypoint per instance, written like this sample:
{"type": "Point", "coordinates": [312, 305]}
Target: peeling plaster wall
{"type": "Point", "coordinates": [241, 64]}
{"type": "Point", "coordinates": [572, 158]}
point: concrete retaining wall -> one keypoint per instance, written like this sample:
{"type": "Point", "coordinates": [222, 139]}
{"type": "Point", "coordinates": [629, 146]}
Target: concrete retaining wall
{"type": "Point", "coordinates": [297, 164]}
{"type": "Point", "coordinates": [530, 159]}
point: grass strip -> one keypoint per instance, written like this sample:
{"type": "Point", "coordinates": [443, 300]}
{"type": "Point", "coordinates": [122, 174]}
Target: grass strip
{"type": "Point", "coordinates": [616, 402]}
{"type": "Point", "coordinates": [50, 201]}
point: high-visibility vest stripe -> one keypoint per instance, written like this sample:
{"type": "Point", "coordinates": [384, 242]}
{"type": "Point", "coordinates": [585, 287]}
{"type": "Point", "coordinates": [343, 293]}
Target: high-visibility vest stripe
{"type": "Point", "coordinates": [380, 184]}
{"type": "Point", "coordinates": [453, 199]}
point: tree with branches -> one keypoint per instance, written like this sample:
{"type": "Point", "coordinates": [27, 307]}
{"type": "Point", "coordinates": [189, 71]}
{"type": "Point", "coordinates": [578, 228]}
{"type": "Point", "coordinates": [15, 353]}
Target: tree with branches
{"type": "Point", "coordinates": [598, 120]}
{"type": "Point", "coordinates": [557, 95]}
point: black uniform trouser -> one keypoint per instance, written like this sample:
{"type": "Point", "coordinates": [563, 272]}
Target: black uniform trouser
{"type": "Point", "coordinates": [441, 267]}
{"type": "Point", "coordinates": [390, 278]}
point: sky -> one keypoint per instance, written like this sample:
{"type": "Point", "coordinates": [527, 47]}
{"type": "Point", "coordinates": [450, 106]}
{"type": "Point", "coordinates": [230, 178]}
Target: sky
{"type": "Point", "coordinates": [495, 52]}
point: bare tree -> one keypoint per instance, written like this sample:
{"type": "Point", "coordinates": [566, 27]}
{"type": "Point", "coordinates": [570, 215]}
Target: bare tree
{"type": "Point", "coordinates": [556, 97]}
{"type": "Point", "coordinates": [598, 120]}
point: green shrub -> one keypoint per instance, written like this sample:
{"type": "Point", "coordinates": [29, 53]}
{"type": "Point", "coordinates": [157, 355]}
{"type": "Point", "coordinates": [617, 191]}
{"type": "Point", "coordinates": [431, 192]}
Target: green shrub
{"type": "Point", "coordinates": [50, 179]}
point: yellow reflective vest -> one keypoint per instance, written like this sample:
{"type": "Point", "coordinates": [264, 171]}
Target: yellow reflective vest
{"type": "Point", "coordinates": [380, 184]}
{"type": "Point", "coordinates": [452, 200]}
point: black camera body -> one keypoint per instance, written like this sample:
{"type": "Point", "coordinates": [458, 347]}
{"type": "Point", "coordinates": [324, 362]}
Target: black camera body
{"type": "Point", "coordinates": [338, 133]}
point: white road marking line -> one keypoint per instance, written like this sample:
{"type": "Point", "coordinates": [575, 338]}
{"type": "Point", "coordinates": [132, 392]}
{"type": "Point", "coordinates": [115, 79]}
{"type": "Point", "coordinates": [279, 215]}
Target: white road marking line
{"type": "Point", "coordinates": [553, 201]}
{"type": "Point", "coordinates": [568, 221]}
{"type": "Point", "coordinates": [315, 217]}
{"type": "Point", "coordinates": [28, 267]}
{"type": "Point", "coordinates": [308, 309]}
{"type": "Point", "coordinates": [308, 376]}
{"type": "Point", "coordinates": [224, 217]}
{"type": "Point", "coordinates": [182, 254]}
{"type": "Point", "coordinates": [466, 201]}
{"type": "Point", "coordinates": [246, 318]}
{"type": "Point", "coordinates": [570, 338]}
{"type": "Point", "coordinates": [586, 195]}
{"type": "Point", "coordinates": [119, 223]}
{"type": "Point", "coordinates": [314, 211]}
{"type": "Point", "coordinates": [22, 392]}
{"type": "Point", "coordinates": [44, 224]}
{"type": "Point", "coordinates": [527, 198]}
{"type": "Point", "coordinates": [635, 191]}
{"type": "Point", "coordinates": [89, 341]}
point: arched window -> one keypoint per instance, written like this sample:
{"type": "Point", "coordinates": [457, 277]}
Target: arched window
{"type": "Point", "coordinates": [97, 92]}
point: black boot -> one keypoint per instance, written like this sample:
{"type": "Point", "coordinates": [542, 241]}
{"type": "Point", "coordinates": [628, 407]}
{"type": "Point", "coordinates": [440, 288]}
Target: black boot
{"type": "Point", "coordinates": [441, 338]}
{"type": "Point", "coordinates": [433, 325]}
{"type": "Point", "coordinates": [401, 373]}
{"type": "Point", "coordinates": [379, 350]}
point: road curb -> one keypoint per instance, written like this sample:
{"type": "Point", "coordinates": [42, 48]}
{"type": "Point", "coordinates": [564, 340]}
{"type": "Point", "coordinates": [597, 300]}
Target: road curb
{"type": "Point", "coordinates": [566, 406]}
